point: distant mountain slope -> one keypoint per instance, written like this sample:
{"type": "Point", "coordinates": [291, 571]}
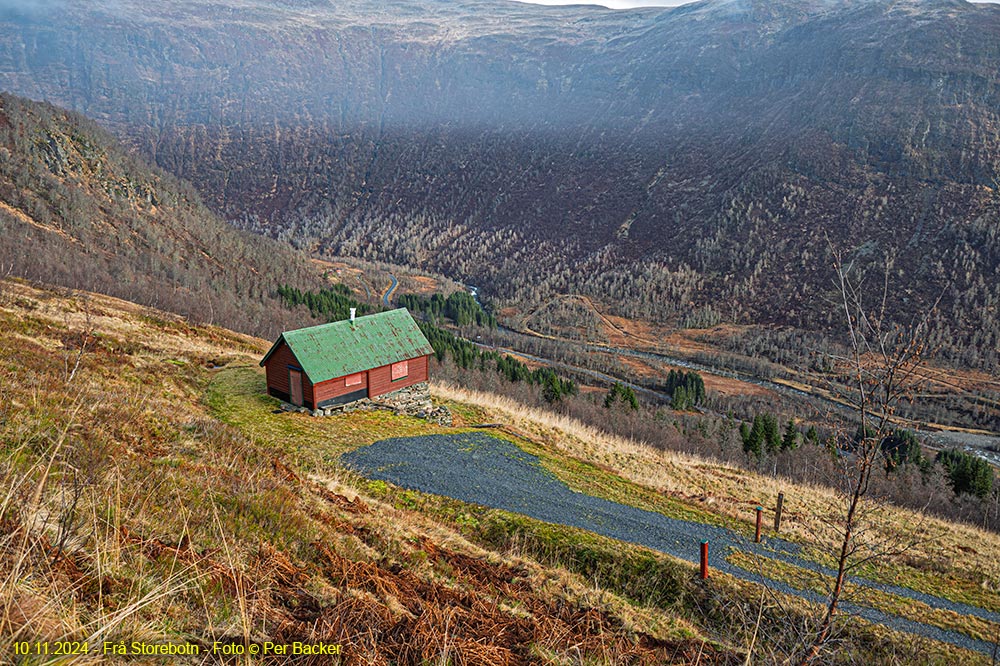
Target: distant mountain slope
{"type": "Point", "coordinates": [688, 164]}
{"type": "Point", "coordinates": [76, 211]}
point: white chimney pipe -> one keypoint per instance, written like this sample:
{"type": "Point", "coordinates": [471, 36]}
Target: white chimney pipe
{"type": "Point", "coordinates": [353, 312]}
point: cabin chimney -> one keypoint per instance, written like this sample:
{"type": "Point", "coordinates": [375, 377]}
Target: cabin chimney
{"type": "Point", "coordinates": [353, 312]}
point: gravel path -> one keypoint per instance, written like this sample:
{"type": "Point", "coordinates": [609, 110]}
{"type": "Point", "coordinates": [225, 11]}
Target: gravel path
{"type": "Point", "coordinates": [485, 470]}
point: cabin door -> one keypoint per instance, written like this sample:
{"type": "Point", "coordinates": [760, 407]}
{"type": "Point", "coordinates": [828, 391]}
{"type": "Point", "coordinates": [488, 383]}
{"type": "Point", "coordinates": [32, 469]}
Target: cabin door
{"type": "Point", "coordinates": [295, 386]}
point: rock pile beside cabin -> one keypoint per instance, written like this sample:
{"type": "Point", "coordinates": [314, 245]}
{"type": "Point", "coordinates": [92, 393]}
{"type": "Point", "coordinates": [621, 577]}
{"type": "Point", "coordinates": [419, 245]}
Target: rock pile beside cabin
{"type": "Point", "coordinates": [412, 400]}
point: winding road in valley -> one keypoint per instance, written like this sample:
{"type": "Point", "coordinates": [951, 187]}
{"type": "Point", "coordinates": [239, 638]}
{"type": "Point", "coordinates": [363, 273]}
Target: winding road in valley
{"type": "Point", "coordinates": [941, 435]}
{"type": "Point", "coordinates": [809, 393]}
{"type": "Point", "coordinates": [661, 358]}
{"type": "Point", "coordinates": [387, 294]}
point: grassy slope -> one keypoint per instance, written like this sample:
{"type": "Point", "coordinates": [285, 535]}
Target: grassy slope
{"type": "Point", "coordinates": [203, 514]}
{"type": "Point", "coordinates": [190, 529]}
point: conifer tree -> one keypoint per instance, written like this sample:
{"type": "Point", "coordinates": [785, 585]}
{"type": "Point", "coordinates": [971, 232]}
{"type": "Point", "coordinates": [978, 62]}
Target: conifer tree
{"type": "Point", "coordinates": [772, 434]}
{"type": "Point", "coordinates": [754, 443]}
{"type": "Point", "coordinates": [680, 399]}
{"type": "Point", "coordinates": [790, 441]}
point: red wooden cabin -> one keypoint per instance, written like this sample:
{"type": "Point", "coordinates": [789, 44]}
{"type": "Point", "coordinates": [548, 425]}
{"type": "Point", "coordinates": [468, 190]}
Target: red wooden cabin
{"type": "Point", "coordinates": [344, 361]}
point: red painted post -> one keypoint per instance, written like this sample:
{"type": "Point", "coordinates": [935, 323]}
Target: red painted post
{"type": "Point", "coordinates": [760, 517]}
{"type": "Point", "coordinates": [704, 560]}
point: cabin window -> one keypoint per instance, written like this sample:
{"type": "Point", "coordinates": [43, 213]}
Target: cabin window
{"type": "Point", "coordinates": [353, 380]}
{"type": "Point", "coordinates": [400, 370]}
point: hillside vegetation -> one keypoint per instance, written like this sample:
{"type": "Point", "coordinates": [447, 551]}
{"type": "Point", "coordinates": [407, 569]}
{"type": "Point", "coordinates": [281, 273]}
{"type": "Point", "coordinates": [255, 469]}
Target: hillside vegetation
{"type": "Point", "coordinates": [152, 492]}
{"type": "Point", "coordinates": [77, 210]}
{"type": "Point", "coordinates": [132, 512]}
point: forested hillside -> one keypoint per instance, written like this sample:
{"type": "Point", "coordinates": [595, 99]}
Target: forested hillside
{"type": "Point", "coordinates": [77, 211]}
{"type": "Point", "coordinates": [691, 165]}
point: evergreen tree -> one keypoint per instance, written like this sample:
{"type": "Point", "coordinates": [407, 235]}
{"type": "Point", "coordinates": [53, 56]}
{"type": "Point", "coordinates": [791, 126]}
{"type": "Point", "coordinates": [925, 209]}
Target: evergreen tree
{"type": "Point", "coordinates": [772, 433]}
{"type": "Point", "coordinates": [754, 443]}
{"type": "Point", "coordinates": [621, 393]}
{"type": "Point", "coordinates": [691, 382]}
{"type": "Point", "coordinates": [680, 399]}
{"type": "Point", "coordinates": [790, 441]}
{"type": "Point", "coordinates": [901, 447]}
{"type": "Point", "coordinates": [550, 390]}
{"type": "Point", "coordinates": [466, 355]}
{"type": "Point", "coordinates": [460, 307]}
{"type": "Point", "coordinates": [612, 394]}
{"type": "Point", "coordinates": [333, 303]}
{"type": "Point", "coordinates": [628, 395]}
{"type": "Point", "coordinates": [968, 473]}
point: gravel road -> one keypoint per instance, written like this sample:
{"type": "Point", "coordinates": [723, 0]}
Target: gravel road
{"type": "Point", "coordinates": [485, 470]}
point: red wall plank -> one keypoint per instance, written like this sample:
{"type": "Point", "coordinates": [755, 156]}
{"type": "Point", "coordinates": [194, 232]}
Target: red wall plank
{"type": "Point", "coordinates": [276, 369]}
{"type": "Point", "coordinates": [380, 381]}
{"type": "Point", "coordinates": [336, 387]}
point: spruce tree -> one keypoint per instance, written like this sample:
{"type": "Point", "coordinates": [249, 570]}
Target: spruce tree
{"type": "Point", "coordinates": [612, 395]}
{"type": "Point", "coordinates": [772, 434]}
{"type": "Point", "coordinates": [756, 438]}
{"type": "Point", "coordinates": [680, 399]}
{"type": "Point", "coordinates": [628, 396]}
{"type": "Point", "coordinates": [790, 441]}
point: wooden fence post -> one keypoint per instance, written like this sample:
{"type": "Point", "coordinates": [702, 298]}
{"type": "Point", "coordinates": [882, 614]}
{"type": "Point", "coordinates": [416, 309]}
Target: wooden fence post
{"type": "Point", "coordinates": [760, 517]}
{"type": "Point", "coordinates": [704, 560]}
{"type": "Point", "coordinates": [777, 512]}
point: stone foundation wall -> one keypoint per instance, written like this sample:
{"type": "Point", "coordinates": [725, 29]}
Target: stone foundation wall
{"type": "Point", "coordinates": [410, 400]}
{"type": "Point", "coordinates": [413, 400]}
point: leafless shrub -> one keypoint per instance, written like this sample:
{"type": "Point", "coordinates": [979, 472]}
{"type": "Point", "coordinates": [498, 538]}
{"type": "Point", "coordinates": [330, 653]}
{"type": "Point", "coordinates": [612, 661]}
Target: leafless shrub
{"type": "Point", "coordinates": [884, 359]}
{"type": "Point", "coordinates": [6, 270]}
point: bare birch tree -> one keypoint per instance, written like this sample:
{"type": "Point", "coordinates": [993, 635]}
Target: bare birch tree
{"type": "Point", "coordinates": [884, 359]}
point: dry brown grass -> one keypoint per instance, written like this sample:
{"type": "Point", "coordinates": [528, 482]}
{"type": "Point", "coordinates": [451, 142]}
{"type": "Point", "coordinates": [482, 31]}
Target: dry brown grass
{"type": "Point", "coordinates": [216, 530]}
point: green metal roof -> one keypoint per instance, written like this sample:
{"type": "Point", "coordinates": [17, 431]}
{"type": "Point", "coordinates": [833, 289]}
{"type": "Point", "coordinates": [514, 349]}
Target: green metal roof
{"type": "Point", "coordinates": [345, 347]}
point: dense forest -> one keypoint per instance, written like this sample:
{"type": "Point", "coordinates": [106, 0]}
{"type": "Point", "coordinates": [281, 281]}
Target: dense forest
{"type": "Point", "coordinates": [460, 307]}
{"type": "Point", "coordinates": [686, 389]}
{"type": "Point", "coordinates": [467, 355]}
{"type": "Point", "coordinates": [329, 304]}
